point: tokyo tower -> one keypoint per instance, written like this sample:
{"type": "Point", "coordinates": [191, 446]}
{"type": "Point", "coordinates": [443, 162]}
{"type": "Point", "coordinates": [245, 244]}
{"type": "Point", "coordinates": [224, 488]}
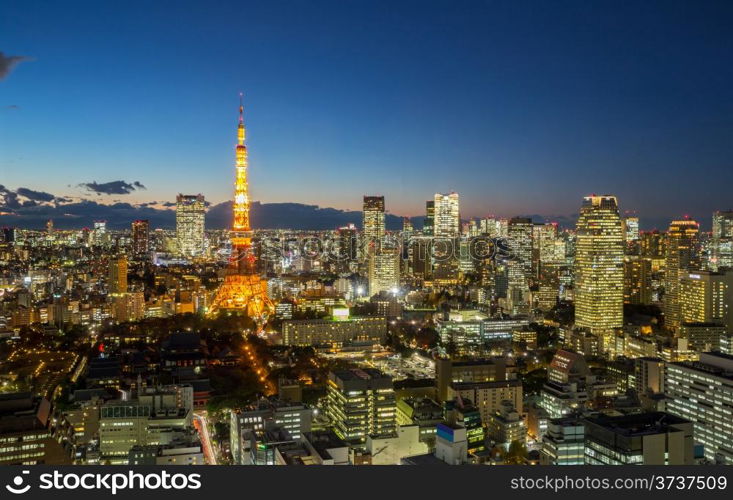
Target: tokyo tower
{"type": "Point", "coordinates": [243, 290]}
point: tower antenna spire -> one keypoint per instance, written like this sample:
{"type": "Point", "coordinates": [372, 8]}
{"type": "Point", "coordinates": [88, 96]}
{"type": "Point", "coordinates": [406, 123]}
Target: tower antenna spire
{"type": "Point", "coordinates": [241, 107]}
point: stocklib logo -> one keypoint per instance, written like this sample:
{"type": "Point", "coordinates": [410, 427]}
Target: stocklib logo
{"type": "Point", "coordinates": [17, 487]}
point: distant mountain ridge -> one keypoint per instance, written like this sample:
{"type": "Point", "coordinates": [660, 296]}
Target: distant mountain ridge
{"type": "Point", "coordinates": [120, 215]}
{"type": "Point", "coordinates": [298, 216]}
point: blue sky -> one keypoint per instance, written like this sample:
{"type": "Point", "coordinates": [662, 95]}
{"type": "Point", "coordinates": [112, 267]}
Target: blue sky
{"type": "Point", "coordinates": [521, 107]}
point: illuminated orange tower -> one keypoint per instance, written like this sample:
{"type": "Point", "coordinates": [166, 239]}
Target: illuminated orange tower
{"type": "Point", "coordinates": [243, 290]}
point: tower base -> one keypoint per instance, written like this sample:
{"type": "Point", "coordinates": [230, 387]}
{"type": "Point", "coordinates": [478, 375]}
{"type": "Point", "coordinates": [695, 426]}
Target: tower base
{"type": "Point", "coordinates": [245, 293]}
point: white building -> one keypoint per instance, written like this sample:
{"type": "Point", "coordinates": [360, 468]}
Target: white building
{"type": "Point", "coordinates": [447, 216]}
{"type": "Point", "coordinates": [702, 392]}
{"type": "Point", "coordinates": [190, 216]}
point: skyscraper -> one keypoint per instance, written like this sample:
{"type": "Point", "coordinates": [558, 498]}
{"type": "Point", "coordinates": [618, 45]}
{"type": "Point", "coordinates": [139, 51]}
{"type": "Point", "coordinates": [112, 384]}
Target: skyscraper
{"type": "Point", "coordinates": [637, 280]}
{"type": "Point", "coordinates": [519, 232]}
{"type": "Point", "coordinates": [544, 246]}
{"type": "Point", "coordinates": [384, 270]}
{"type": "Point", "coordinates": [653, 246]}
{"type": "Point", "coordinates": [117, 282]}
{"type": "Point", "coordinates": [680, 258]}
{"type": "Point", "coordinates": [546, 263]}
{"type": "Point", "coordinates": [447, 218]}
{"type": "Point", "coordinates": [599, 273]}
{"type": "Point", "coordinates": [190, 214]}
{"type": "Point", "coordinates": [243, 289]}
{"type": "Point", "coordinates": [347, 242]}
{"type": "Point", "coordinates": [429, 225]}
{"type": "Point", "coordinates": [373, 225]}
{"type": "Point", "coordinates": [140, 237]}
{"type": "Point", "coordinates": [722, 252]}
{"type": "Point", "coordinates": [406, 227]}
{"type": "Point", "coordinates": [631, 229]}
{"type": "Point", "coordinates": [99, 235]}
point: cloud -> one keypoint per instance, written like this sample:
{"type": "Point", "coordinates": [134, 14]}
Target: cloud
{"type": "Point", "coordinates": [113, 187]}
{"type": "Point", "coordinates": [83, 213]}
{"type": "Point", "coordinates": [35, 195]}
{"type": "Point", "coordinates": [7, 63]}
{"type": "Point", "coordinates": [8, 198]}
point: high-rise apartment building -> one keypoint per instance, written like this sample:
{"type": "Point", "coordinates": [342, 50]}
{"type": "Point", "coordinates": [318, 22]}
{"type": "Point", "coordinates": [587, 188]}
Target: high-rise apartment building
{"type": "Point", "coordinates": [361, 403]}
{"type": "Point", "coordinates": [680, 257]}
{"type": "Point", "coordinates": [702, 392]}
{"type": "Point", "coordinates": [140, 237]}
{"type": "Point", "coordinates": [599, 272]}
{"type": "Point", "coordinates": [447, 220]}
{"type": "Point", "coordinates": [190, 216]}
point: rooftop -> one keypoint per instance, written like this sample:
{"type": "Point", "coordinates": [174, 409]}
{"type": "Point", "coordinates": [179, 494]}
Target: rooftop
{"type": "Point", "coordinates": [640, 424]}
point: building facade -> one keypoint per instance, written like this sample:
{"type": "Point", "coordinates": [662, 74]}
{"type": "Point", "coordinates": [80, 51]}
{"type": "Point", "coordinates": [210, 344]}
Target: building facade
{"type": "Point", "coordinates": [702, 392]}
{"type": "Point", "coordinates": [190, 225]}
{"type": "Point", "coordinates": [361, 403]}
{"type": "Point", "coordinates": [599, 274]}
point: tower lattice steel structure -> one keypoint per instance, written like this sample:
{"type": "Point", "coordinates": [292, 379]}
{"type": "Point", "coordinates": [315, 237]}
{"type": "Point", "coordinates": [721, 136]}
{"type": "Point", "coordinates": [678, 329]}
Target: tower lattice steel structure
{"type": "Point", "coordinates": [243, 289]}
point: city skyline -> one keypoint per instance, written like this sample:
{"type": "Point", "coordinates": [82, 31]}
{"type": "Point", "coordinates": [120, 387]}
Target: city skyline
{"type": "Point", "coordinates": [464, 114]}
{"type": "Point", "coordinates": [33, 209]}
{"type": "Point", "coordinates": [361, 233]}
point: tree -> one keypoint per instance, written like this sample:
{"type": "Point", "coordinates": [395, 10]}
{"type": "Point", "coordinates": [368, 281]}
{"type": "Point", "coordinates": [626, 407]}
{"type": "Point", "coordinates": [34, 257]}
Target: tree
{"type": "Point", "coordinates": [517, 453]}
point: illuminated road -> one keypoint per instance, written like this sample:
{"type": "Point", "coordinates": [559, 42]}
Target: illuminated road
{"type": "Point", "coordinates": [202, 426]}
{"type": "Point", "coordinates": [259, 368]}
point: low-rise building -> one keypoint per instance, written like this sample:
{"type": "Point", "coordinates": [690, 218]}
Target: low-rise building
{"type": "Point", "coordinates": [488, 396]}
{"type": "Point", "coordinates": [336, 331]}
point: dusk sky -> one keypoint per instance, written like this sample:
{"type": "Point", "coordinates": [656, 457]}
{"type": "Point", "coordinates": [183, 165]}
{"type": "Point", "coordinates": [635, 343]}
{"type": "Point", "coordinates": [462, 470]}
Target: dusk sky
{"type": "Point", "coordinates": [521, 107]}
